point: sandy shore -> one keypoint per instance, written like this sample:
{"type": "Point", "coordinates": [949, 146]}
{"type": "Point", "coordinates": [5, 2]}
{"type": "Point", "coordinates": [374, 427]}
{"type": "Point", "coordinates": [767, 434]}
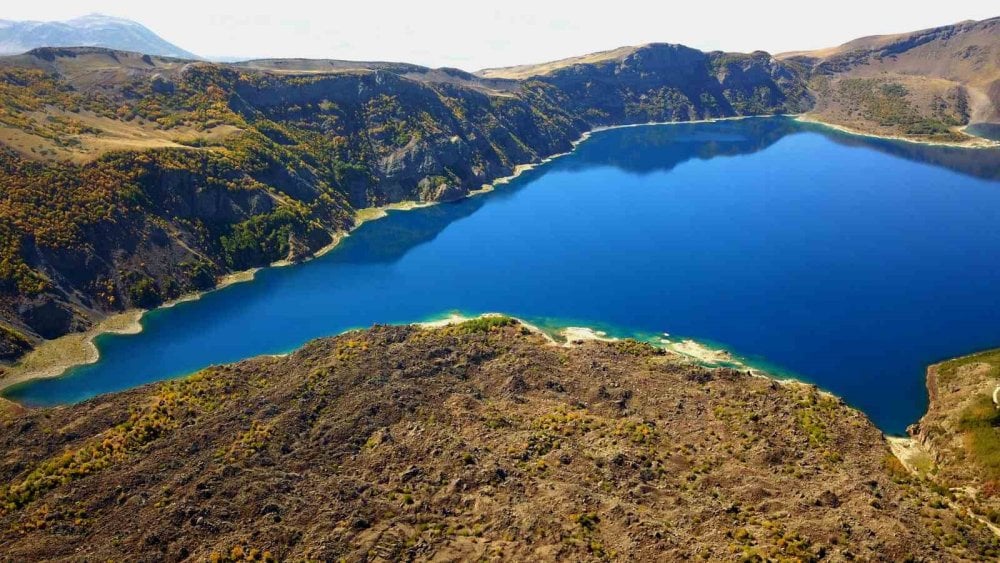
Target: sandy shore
{"type": "Point", "coordinates": [699, 352]}
{"type": "Point", "coordinates": [52, 358]}
{"type": "Point", "coordinates": [972, 143]}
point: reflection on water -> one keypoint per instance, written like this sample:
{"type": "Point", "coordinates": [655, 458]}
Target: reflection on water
{"type": "Point", "coordinates": [848, 260]}
{"type": "Point", "coordinates": [980, 163]}
{"type": "Point", "coordinates": [985, 130]}
{"type": "Point", "coordinates": [645, 150]}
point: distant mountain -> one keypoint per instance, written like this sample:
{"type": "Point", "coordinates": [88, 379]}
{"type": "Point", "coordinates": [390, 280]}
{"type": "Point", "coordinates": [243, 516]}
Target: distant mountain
{"type": "Point", "coordinates": [94, 30]}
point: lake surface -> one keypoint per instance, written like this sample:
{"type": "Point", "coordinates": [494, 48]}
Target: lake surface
{"type": "Point", "coordinates": [985, 130]}
{"type": "Point", "coordinates": [849, 261]}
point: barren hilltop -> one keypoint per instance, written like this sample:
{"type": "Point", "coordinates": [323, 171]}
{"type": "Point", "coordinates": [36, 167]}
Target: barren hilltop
{"type": "Point", "coordinates": [480, 440]}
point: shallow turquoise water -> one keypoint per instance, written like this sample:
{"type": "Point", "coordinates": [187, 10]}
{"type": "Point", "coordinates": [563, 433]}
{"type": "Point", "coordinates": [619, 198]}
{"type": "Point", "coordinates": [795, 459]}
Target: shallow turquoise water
{"type": "Point", "coordinates": [852, 262]}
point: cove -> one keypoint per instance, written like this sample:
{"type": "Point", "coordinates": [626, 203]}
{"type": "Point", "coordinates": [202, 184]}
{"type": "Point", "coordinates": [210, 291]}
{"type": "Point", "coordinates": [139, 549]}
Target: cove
{"type": "Point", "coordinates": [850, 262]}
{"type": "Point", "coordinates": [985, 130]}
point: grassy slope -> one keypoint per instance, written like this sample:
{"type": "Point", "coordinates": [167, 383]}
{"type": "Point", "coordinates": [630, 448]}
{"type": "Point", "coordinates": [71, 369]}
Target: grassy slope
{"type": "Point", "coordinates": [521, 72]}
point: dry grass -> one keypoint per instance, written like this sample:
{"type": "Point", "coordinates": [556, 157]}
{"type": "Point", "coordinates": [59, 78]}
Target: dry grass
{"type": "Point", "coordinates": [962, 430]}
{"type": "Point", "coordinates": [473, 441]}
{"type": "Point", "coordinates": [987, 364]}
{"type": "Point", "coordinates": [928, 62]}
{"type": "Point", "coordinates": [103, 135]}
{"type": "Point", "coordinates": [527, 71]}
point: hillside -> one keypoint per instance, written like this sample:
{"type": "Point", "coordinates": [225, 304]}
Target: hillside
{"type": "Point", "coordinates": [924, 84]}
{"type": "Point", "coordinates": [477, 440]}
{"type": "Point", "coordinates": [94, 30]}
{"type": "Point", "coordinates": [957, 443]}
{"type": "Point", "coordinates": [666, 82]}
{"type": "Point", "coordinates": [134, 178]}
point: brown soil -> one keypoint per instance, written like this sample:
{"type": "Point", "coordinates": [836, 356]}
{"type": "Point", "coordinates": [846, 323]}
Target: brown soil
{"type": "Point", "coordinates": [478, 440]}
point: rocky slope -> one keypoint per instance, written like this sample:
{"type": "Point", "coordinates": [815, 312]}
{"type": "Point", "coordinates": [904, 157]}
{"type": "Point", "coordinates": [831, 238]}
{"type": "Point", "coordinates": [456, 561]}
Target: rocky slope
{"type": "Point", "coordinates": [957, 443]}
{"type": "Point", "coordinates": [94, 30]}
{"type": "Point", "coordinates": [923, 84]}
{"type": "Point", "coordinates": [664, 82]}
{"type": "Point", "coordinates": [134, 178]}
{"type": "Point", "coordinates": [479, 440]}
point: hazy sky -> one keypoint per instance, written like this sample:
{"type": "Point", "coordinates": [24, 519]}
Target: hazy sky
{"type": "Point", "coordinates": [473, 35]}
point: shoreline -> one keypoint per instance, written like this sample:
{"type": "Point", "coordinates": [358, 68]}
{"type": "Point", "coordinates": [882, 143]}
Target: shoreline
{"type": "Point", "coordinates": [686, 348]}
{"type": "Point", "coordinates": [52, 358]}
{"type": "Point", "coordinates": [906, 449]}
{"type": "Point", "coordinates": [974, 142]}
{"type": "Point", "coordinates": [913, 455]}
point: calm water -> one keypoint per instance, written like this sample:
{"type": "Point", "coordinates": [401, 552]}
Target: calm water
{"type": "Point", "coordinates": [851, 262]}
{"type": "Point", "coordinates": [986, 130]}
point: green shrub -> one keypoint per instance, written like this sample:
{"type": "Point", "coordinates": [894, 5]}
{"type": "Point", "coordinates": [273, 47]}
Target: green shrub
{"type": "Point", "coordinates": [979, 421]}
{"type": "Point", "coordinates": [143, 291]}
{"type": "Point", "coordinates": [200, 275]}
{"type": "Point", "coordinates": [485, 324]}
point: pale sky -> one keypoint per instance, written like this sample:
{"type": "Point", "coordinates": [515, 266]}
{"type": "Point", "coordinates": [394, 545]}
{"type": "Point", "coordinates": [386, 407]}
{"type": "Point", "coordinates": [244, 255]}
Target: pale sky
{"type": "Point", "coordinates": [473, 35]}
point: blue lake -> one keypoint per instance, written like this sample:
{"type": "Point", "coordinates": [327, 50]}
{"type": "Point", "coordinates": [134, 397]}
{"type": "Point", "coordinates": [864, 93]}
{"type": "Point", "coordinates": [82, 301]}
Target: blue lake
{"type": "Point", "coordinates": [850, 262]}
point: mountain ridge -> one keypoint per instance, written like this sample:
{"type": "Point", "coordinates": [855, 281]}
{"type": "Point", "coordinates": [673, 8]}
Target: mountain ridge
{"type": "Point", "coordinates": [950, 74]}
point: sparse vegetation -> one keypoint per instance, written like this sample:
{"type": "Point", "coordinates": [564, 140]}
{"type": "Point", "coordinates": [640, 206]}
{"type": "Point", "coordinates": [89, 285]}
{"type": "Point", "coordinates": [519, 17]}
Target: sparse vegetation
{"type": "Point", "coordinates": [512, 444]}
{"type": "Point", "coordinates": [980, 423]}
{"type": "Point", "coordinates": [888, 104]}
{"type": "Point", "coordinates": [961, 432]}
{"type": "Point", "coordinates": [990, 358]}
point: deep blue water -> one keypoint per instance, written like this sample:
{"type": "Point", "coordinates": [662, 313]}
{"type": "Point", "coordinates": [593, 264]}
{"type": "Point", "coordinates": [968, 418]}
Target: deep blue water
{"type": "Point", "coordinates": [852, 262]}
